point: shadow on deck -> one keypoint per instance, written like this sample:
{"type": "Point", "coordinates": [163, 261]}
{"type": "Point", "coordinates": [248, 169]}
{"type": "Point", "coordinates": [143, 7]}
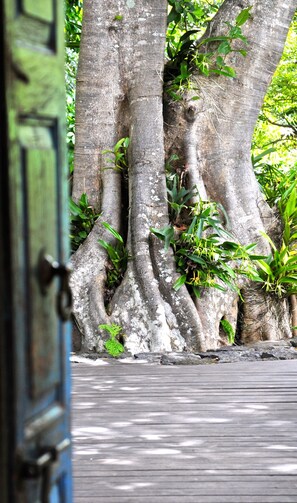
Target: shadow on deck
{"type": "Point", "coordinates": [188, 434]}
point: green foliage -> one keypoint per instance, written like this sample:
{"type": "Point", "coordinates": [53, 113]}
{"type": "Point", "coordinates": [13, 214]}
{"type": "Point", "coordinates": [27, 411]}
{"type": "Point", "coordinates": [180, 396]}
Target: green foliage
{"type": "Point", "coordinates": [276, 182]}
{"type": "Point", "coordinates": [82, 219]}
{"type": "Point", "coordinates": [186, 54]}
{"type": "Point", "coordinates": [187, 20]}
{"type": "Point", "coordinates": [118, 257]}
{"type": "Point", "coordinates": [228, 329]}
{"type": "Point", "coordinates": [178, 195]}
{"type": "Point", "coordinates": [72, 29]}
{"type": "Point", "coordinates": [278, 271]}
{"type": "Point", "coordinates": [269, 176]}
{"type": "Point", "coordinates": [206, 254]}
{"type": "Point", "coordinates": [287, 206]}
{"type": "Point", "coordinates": [275, 138]}
{"type": "Point", "coordinates": [277, 122]}
{"type": "Point", "coordinates": [112, 345]}
{"type": "Point", "coordinates": [119, 159]}
{"type": "Point", "coordinates": [73, 22]}
{"type": "Point", "coordinates": [70, 76]}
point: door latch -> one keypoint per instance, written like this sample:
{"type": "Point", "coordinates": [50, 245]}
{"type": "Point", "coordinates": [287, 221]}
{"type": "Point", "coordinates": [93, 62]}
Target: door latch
{"type": "Point", "coordinates": [48, 269]}
{"type": "Point", "coordinates": [40, 468]}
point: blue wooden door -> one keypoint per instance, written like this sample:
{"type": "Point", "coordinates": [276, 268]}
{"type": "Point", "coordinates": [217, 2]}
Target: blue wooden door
{"type": "Point", "coordinates": [34, 425]}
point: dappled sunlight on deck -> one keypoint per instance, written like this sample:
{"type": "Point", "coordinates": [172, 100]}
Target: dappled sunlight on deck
{"type": "Point", "coordinates": [211, 434]}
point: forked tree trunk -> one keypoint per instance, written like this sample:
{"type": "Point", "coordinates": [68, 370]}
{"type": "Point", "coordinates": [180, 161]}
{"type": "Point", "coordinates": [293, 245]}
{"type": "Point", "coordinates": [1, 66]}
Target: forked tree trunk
{"type": "Point", "coordinates": [120, 93]}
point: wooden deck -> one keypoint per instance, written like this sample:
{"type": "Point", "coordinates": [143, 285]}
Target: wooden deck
{"type": "Point", "coordinates": [185, 434]}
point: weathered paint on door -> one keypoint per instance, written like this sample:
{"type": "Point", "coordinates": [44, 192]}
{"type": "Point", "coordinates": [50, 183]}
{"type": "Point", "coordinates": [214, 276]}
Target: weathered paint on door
{"type": "Point", "coordinates": [35, 452]}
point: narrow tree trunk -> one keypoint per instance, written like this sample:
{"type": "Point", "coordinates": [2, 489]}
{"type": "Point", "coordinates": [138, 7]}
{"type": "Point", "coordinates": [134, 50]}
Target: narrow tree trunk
{"type": "Point", "coordinates": [120, 87]}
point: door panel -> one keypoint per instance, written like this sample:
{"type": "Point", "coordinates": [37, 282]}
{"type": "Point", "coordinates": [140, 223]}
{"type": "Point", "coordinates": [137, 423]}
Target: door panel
{"type": "Point", "coordinates": [39, 9]}
{"type": "Point", "coordinates": [37, 22]}
{"type": "Point", "coordinates": [39, 171]}
{"type": "Point", "coordinates": [37, 362]}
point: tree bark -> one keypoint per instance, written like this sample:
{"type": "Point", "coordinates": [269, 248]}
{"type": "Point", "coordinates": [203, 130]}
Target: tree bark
{"type": "Point", "coordinates": [293, 306]}
{"type": "Point", "coordinates": [120, 93]}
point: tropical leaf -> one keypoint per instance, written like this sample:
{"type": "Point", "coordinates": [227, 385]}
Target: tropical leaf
{"type": "Point", "coordinates": [265, 267]}
{"type": "Point", "coordinates": [180, 282]}
{"type": "Point", "coordinates": [113, 231]}
{"type": "Point", "coordinates": [243, 16]}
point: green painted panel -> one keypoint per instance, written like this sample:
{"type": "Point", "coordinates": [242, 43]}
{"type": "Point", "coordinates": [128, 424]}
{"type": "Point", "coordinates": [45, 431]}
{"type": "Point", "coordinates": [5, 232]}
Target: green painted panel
{"type": "Point", "coordinates": [39, 170]}
{"type": "Point", "coordinates": [40, 9]}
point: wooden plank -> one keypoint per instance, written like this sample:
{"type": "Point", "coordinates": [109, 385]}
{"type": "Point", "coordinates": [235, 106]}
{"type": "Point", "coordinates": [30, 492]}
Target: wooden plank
{"type": "Point", "coordinates": [279, 442]}
{"type": "Point", "coordinates": [213, 434]}
{"type": "Point", "coordinates": [192, 499]}
{"type": "Point", "coordinates": [171, 487]}
{"type": "Point", "coordinates": [186, 461]}
{"type": "Point", "coordinates": [184, 474]}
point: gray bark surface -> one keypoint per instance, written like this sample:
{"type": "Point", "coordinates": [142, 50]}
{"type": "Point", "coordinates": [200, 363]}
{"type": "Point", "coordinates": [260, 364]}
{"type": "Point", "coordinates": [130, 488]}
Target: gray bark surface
{"type": "Point", "coordinates": [120, 93]}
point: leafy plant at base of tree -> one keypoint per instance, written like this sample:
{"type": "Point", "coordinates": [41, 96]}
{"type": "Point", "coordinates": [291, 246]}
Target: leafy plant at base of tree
{"type": "Point", "coordinates": [118, 257]}
{"type": "Point", "coordinates": [279, 270]}
{"type": "Point", "coordinates": [82, 220]}
{"type": "Point", "coordinates": [206, 254]}
{"type": "Point", "coordinates": [112, 345]}
{"type": "Point", "coordinates": [228, 329]}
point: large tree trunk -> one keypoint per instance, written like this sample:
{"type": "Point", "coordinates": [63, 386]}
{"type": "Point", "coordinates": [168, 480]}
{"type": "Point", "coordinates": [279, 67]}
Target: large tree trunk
{"type": "Point", "coordinates": [120, 93]}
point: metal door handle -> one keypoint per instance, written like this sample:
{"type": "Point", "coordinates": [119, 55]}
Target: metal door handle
{"type": "Point", "coordinates": [49, 269]}
{"type": "Point", "coordinates": [41, 467]}
{"type": "Point", "coordinates": [32, 468]}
